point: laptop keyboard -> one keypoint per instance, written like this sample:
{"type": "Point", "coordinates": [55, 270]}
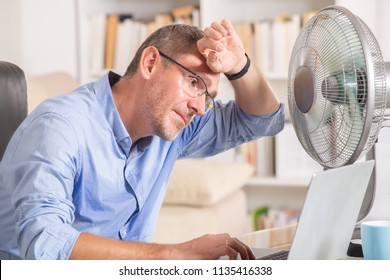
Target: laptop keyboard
{"type": "Point", "coordinates": [280, 255]}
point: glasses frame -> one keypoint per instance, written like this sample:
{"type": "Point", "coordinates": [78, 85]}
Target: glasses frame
{"type": "Point", "coordinates": [208, 105]}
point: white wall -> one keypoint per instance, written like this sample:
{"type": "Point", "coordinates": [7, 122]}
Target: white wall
{"type": "Point", "coordinates": [39, 35]}
{"type": "Point", "coordinates": [10, 31]}
{"type": "Point", "coordinates": [383, 19]}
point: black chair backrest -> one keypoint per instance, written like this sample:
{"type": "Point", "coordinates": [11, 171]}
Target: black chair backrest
{"type": "Point", "coordinates": [13, 101]}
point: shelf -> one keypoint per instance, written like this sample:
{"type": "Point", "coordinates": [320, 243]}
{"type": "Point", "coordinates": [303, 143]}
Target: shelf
{"type": "Point", "coordinates": [276, 76]}
{"type": "Point", "coordinates": [278, 182]}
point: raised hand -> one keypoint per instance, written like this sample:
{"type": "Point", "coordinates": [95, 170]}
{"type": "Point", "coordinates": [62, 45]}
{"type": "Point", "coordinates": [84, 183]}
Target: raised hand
{"type": "Point", "coordinates": [222, 48]}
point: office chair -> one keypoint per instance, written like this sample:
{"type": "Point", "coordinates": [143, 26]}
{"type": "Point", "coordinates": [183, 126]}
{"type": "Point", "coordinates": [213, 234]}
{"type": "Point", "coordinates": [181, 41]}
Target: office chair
{"type": "Point", "coordinates": [13, 101]}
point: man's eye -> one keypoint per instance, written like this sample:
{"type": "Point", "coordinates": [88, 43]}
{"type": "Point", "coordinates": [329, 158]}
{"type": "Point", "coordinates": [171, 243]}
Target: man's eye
{"type": "Point", "coordinates": [194, 83]}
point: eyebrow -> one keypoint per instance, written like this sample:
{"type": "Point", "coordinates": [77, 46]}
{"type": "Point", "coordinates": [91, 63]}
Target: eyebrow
{"type": "Point", "coordinates": [206, 79]}
{"type": "Point", "coordinates": [208, 82]}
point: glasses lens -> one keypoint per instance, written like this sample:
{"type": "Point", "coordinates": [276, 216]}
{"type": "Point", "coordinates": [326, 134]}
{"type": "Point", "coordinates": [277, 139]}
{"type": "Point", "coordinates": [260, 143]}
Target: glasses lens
{"type": "Point", "coordinates": [195, 86]}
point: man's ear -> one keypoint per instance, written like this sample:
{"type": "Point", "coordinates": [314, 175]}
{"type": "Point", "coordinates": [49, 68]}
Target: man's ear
{"type": "Point", "coordinates": [149, 60]}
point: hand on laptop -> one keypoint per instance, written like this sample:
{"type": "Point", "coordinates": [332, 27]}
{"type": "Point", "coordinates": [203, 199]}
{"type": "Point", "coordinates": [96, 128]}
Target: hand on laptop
{"type": "Point", "coordinates": [214, 246]}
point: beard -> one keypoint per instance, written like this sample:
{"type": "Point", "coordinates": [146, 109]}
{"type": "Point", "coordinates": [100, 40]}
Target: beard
{"type": "Point", "coordinates": [159, 112]}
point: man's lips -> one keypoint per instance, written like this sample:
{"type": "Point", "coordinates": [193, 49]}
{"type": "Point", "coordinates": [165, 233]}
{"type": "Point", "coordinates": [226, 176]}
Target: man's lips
{"type": "Point", "coordinates": [184, 118]}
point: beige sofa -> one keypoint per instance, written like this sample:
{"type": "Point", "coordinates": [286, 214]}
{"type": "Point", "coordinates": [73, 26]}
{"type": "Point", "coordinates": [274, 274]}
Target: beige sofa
{"type": "Point", "coordinates": [42, 87]}
{"type": "Point", "coordinates": [203, 196]}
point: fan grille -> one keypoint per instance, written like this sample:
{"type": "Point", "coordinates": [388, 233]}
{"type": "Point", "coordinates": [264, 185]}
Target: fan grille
{"type": "Point", "coordinates": [349, 84]}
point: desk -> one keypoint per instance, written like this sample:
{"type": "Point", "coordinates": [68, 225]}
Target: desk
{"type": "Point", "coordinates": [276, 238]}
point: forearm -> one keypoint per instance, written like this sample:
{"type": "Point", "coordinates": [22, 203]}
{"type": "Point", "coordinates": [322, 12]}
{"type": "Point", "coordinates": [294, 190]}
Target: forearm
{"type": "Point", "coordinates": [253, 93]}
{"type": "Point", "coordinates": [210, 246]}
{"type": "Point", "coordinates": [91, 247]}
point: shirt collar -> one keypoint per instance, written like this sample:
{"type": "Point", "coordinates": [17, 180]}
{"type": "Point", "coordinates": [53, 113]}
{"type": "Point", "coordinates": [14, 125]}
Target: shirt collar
{"type": "Point", "coordinates": [103, 92]}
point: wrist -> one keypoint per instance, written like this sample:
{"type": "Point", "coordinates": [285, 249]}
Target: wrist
{"type": "Point", "coordinates": [242, 72]}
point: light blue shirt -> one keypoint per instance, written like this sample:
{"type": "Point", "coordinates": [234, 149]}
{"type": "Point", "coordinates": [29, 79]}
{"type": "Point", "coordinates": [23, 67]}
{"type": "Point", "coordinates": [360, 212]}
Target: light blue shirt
{"type": "Point", "coordinates": [69, 169]}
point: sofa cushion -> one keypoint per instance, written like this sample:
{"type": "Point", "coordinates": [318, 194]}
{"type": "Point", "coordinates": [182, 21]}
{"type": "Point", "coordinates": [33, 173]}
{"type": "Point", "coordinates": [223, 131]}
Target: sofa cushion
{"type": "Point", "coordinates": [180, 223]}
{"type": "Point", "coordinates": [201, 182]}
{"type": "Point", "coordinates": [48, 85]}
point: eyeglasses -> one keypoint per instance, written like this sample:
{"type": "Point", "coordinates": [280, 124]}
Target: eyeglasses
{"type": "Point", "coordinates": [194, 85]}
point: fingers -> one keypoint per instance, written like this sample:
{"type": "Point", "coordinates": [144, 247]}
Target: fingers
{"type": "Point", "coordinates": [250, 254]}
{"type": "Point", "coordinates": [231, 253]}
{"type": "Point", "coordinates": [214, 246]}
{"type": "Point", "coordinates": [216, 31]}
{"type": "Point", "coordinates": [228, 26]}
{"type": "Point", "coordinates": [207, 46]}
{"type": "Point", "coordinates": [214, 34]}
{"type": "Point", "coordinates": [222, 47]}
{"type": "Point", "coordinates": [235, 247]}
{"type": "Point", "coordinates": [209, 43]}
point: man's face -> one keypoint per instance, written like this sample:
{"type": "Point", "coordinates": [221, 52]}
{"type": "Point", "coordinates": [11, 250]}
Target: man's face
{"type": "Point", "coordinates": [170, 107]}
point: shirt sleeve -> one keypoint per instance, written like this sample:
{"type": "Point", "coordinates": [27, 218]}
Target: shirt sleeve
{"type": "Point", "coordinates": [227, 127]}
{"type": "Point", "coordinates": [42, 167]}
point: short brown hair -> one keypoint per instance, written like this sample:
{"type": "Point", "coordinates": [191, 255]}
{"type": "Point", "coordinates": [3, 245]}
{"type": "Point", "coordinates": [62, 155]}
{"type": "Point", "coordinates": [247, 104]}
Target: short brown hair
{"type": "Point", "coordinates": [173, 40]}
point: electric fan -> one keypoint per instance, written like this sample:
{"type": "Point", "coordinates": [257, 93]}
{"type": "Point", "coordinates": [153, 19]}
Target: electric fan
{"type": "Point", "coordinates": [337, 93]}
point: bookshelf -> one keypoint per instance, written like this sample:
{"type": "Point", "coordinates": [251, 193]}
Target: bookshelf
{"type": "Point", "coordinates": [285, 182]}
{"type": "Point", "coordinates": [144, 11]}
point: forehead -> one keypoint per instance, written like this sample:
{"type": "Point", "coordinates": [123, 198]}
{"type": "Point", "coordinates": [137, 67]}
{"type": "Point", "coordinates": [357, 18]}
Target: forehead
{"type": "Point", "coordinates": [197, 63]}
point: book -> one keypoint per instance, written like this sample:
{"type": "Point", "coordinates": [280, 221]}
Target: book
{"type": "Point", "coordinates": [187, 15]}
{"type": "Point", "coordinates": [123, 43]}
{"type": "Point", "coordinates": [265, 159]}
{"type": "Point", "coordinates": [163, 19]}
{"type": "Point", "coordinates": [130, 35]}
{"type": "Point", "coordinates": [293, 29]}
{"type": "Point", "coordinates": [111, 31]}
{"type": "Point", "coordinates": [244, 31]}
{"type": "Point", "coordinates": [279, 44]}
{"type": "Point", "coordinates": [196, 17]}
{"type": "Point", "coordinates": [183, 11]}
{"type": "Point", "coordinates": [262, 45]}
{"type": "Point", "coordinates": [292, 161]}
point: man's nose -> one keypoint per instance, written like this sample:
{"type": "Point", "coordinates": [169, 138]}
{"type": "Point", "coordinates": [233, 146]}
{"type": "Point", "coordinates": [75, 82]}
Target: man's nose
{"type": "Point", "coordinates": [197, 104]}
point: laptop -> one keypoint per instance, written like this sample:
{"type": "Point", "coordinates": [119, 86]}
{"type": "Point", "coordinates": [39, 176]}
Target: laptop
{"type": "Point", "coordinates": [328, 216]}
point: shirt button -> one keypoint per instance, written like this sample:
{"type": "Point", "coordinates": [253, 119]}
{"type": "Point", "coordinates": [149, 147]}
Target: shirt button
{"type": "Point", "coordinates": [123, 232]}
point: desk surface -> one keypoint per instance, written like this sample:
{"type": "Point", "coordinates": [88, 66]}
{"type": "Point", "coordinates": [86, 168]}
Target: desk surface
{"type": "Point", "coordinates": [278, 237]}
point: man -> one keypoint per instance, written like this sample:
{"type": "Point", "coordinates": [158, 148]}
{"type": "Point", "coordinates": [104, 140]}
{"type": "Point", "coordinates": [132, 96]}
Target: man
{"type": "Point", "coordinates": [85, 174]}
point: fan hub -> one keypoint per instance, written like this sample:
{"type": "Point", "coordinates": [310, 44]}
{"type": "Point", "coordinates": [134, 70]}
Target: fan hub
{"type": "Point", "coordinates": [304, 88]}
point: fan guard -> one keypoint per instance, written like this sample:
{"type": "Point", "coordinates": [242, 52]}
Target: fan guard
{"type": "Point", "coordinates": [336, 87]}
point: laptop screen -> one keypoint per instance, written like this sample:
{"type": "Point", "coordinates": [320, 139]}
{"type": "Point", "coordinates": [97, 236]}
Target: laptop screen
{"type": "Point", "coordinates": [330, 212]}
